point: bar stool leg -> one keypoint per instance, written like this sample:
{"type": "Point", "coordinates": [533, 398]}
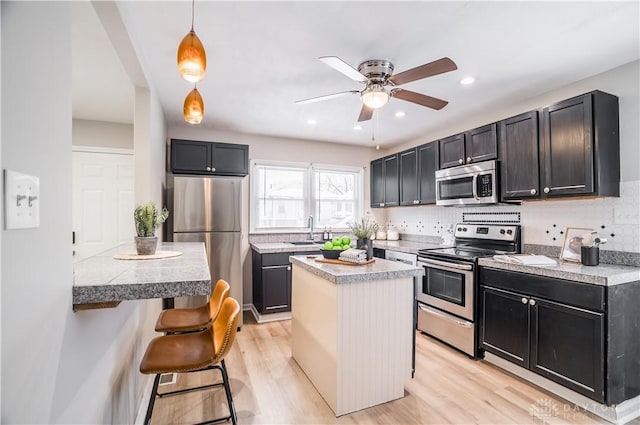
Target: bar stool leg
{"type": "Point", "coordinates": [152, 400]}
{"type": "Point", "coordinates": [227, 390]}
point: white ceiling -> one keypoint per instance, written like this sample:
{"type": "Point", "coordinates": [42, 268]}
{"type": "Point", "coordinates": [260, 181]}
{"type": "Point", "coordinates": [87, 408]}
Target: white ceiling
{"type": "Point", "coordinates": [262, 56]}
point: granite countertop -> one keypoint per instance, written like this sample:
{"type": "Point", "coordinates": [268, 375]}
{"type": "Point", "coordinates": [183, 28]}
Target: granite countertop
{"type": "Point", "coordinates": [604, 274]}
{"type": "Point", "coordinates": [273, 247]}
{"type": "Point", "coordinates": [410, 247]}
{"type": "Point", "coordinates": [339, 273]}
{"type": "Point", "coordinates": [103, 279]}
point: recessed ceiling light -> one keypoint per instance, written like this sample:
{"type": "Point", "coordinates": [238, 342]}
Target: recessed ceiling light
{"type": "Point", "coordinates": [312, 122]}
{"type": "Point", "coordinates": [400, 114]}
{"type": "Point", "coordinates": [468, 80]}
{"type": "Point", "coordinates": [357, 127]}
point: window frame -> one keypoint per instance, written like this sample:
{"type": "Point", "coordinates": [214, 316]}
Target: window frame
{"type": "Point", "coordinates": [310, 196]}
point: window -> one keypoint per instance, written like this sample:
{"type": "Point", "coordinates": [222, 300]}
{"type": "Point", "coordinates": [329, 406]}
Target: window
{"type": "Point", "coordinates": [284, 196]}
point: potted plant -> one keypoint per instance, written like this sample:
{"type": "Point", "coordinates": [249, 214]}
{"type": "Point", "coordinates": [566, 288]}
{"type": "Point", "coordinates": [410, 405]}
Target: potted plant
{"type": "Point", "coordinates": [148, 219]}
{"type": "Point", "coordinates": [363, 230]}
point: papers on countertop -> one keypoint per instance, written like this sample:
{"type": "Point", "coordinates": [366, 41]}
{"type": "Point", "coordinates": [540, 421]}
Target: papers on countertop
{"type": "Point", "coordinates": [526, 259]}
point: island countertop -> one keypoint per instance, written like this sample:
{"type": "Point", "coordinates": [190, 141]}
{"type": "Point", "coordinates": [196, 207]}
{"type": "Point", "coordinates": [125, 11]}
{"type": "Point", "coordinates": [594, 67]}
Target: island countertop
{"type": "Point", "coordinates": [103, 279]}
{"type": "Point", "coordinates": [339, 273]}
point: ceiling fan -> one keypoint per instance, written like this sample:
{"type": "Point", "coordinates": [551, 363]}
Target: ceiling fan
{"type": "Point", "coordinates": [381, 84]}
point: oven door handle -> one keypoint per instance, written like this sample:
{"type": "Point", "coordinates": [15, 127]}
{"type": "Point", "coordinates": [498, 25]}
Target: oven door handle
{"type": "Point", "coordinates": [446, 264]}
{"type": "Point", "coordinates": [474, 187]}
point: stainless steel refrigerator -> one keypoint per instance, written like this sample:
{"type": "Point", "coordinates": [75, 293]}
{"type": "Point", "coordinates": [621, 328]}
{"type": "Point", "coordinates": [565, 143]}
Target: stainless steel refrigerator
{"type": "Point", "coordinates": [209, 210]}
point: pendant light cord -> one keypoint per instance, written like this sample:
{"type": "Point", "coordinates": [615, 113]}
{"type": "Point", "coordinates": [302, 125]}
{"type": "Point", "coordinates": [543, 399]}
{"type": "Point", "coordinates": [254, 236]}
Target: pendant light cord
{"type": "Point", "coordinates": [193, 6]}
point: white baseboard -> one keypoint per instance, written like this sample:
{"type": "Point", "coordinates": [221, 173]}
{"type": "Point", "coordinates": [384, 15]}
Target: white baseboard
{"type": "Point", "coordinates": [618, 414]}
{"type": "Point", "coordinates": [266, 318]}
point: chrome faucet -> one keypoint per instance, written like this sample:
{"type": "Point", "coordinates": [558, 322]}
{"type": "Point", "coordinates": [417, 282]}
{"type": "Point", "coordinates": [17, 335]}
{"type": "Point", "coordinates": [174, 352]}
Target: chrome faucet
{"type": "Point", "coordinates": [310, 224]}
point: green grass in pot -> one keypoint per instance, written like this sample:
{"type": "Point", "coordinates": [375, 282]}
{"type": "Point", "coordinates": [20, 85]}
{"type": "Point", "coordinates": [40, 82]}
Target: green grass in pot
{"type": "Point", "coordinates": [364, 229]}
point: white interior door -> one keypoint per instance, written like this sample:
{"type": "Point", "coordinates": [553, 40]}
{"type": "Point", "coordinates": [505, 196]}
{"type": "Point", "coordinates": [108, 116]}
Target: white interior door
{"type": "Point", "coordinates": [103, 202]}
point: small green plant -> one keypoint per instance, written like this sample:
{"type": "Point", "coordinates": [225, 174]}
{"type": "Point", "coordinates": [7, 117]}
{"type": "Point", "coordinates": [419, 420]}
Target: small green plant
{"type": "Point", "coordinates": [364, 229]}
{"type": "Point", "coordinates": [148, 219]}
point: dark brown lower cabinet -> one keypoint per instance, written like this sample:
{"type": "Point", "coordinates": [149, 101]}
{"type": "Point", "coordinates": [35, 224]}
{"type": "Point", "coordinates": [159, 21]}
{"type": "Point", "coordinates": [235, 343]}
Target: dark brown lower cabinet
{"type": "Point", "coordinates": [576, 334]}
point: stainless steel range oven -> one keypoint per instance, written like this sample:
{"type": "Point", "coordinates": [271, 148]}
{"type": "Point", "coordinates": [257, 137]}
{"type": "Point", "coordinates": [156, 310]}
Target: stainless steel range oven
{"type": "Point", "coordinates": [446, 294]}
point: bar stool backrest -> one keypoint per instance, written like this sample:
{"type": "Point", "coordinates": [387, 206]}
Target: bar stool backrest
{"type": "Point", "coordinates": [225, 328]}
{"type": "Point", "coordinates": [220, 293]}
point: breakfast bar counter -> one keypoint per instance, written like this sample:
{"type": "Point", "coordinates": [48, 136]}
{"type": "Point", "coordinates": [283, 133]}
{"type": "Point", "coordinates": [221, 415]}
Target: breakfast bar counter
{"type": "Point", "coordinates": [101, 280]}
{"type": "Point", "coordinates": [352, 329]}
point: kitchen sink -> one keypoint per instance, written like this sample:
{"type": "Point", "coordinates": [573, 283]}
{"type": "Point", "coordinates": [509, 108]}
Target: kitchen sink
{"type": "Point", "coordinates": [305, 243]}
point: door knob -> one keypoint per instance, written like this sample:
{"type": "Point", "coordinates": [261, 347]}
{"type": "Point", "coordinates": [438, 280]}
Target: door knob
{"type": "Point", "coordinates": [547, 190]}
{"type": "Point", "coordinates": [460, 161]}
{"type": "Point", "coordinates": [468, 159]}
{"type": "Point", "coordinates": [524, 300]}
{"type": "Point", "coordinates": [208, 168]}
{"type": "Point", "coordinates": [532, 302]}
{"type": "Point", "coordinates": [533, 191]}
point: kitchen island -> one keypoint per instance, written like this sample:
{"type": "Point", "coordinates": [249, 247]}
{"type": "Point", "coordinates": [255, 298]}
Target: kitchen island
{"type": "Point", "coordinates": [352, 329]}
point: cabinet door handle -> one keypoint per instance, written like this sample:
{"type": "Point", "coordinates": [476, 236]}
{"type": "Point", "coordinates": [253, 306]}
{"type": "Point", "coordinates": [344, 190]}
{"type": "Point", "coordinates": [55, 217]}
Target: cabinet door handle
{"type": "Point", "coordinates": [381, 204]}
{"type": "Point", "coordinates": [533, 191]}
{"type": "Point", "coordinates": [289, 268]}
{"type": "Point", "coordinates": [213, 169]}
{"type": "Point", "coordinates": [532, 302]}
{"type": "Point", "coordinates": [468, 159]}
{"type": "Point", "coordinates": [208, 168]}
{"type": "Point", "coordinates": [460, 161]}
{"type": "Point", "coordinates": [546, 190]}
{"type": "Point", "coordinates": [524, 300]}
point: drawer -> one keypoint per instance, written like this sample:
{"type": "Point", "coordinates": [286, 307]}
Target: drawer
{"type": "Point", "coordinates": [276, 259]}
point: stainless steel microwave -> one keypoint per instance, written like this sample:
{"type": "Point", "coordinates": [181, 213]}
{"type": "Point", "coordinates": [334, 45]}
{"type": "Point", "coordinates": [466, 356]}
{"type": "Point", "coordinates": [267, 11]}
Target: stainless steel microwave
{"type": "Point", "coordinates": [472, 184]}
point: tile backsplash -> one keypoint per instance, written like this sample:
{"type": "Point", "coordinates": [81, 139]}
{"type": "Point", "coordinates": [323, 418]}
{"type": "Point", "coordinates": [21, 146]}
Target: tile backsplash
{"type": "Point", "coordinates": [543, 222]}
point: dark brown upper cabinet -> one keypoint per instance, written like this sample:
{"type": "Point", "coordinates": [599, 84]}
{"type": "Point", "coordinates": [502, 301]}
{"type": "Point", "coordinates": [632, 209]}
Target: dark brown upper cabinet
{"type": "Point", "coordinates": [428, 161]}
{"type": "Point", "coordinates": [479, 144]}
{"type": "Point", "coordinates": [209, 158]}
{"type": "Point", "coordinates": [519, 157]}
{"type": "Point", "coordinates": [452, 151]}
{"type": "Point", "coordinates": [384, 182]}
{"type": "Point", "coordinates": [580, 146]}
{"type": "Point", "coordinates": [408, 177]}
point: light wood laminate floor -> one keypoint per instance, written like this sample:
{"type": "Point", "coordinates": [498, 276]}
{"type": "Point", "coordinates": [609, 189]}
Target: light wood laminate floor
{"type": "Point", "coordinates": [269, 388]}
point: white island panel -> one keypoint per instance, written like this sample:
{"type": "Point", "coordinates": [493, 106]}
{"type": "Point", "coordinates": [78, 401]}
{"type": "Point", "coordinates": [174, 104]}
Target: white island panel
{"type": "Point", "coordinates": [353, 339]}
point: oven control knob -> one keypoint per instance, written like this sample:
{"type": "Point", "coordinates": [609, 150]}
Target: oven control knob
{"type": "Point", "coordinates": [509, 231]}
{"type": "Point", "coordinates": [464, 229]}
{"type": "Point", "coordinates": [459, 229]}
{"type": "Point", "coordinates": [502, 231]}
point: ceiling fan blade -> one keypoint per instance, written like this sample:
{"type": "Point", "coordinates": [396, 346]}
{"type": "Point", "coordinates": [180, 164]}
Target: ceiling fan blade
{"type": "Point", "coordinates": [423, 71]}
{"type": "Point", "coordinates": [326, 97]}
{"type": "Point", "coordinates": [420, 99]}
{"type": "Point", "coordinates": [365, 113]}
{"type": "Point", "coordinates": [343, 67]}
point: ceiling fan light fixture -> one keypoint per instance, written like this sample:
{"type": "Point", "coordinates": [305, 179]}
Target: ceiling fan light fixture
{"type": "Point", "coordinates": [193, 107]}
{"type": "Point", "coordinates": [375, 96]}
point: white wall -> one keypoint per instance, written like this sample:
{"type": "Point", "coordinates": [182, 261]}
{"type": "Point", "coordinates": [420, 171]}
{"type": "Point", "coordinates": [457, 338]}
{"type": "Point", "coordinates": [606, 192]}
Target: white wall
{"type": "Point", "coordinates": [272, 148]}
{"type": "Point", "coordinates": [543, 220]}
{"type": "Point", "coordinates": [57, 366]}
{"type": "Point", "coordinates": [102, 134]}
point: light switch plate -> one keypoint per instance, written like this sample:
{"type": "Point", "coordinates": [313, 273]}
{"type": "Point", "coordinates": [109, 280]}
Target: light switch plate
{"type": "Point", "coordinates": [21, 200]}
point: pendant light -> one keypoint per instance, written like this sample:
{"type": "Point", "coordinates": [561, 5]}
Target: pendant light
{"type": "Point", "coordinates": [192, 59]}
{"type": "Point", "coordinates": [193, 107]}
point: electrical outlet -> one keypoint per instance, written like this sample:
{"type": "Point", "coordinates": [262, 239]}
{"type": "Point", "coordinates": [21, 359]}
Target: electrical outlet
{"type": "Point", "coordinates": [21, 200]}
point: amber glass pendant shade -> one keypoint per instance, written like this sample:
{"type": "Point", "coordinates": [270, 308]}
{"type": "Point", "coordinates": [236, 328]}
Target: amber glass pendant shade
{"type": "Point", "coordinates": [193, 107]}
{"type": "Point", "coordinates": [192, 59]}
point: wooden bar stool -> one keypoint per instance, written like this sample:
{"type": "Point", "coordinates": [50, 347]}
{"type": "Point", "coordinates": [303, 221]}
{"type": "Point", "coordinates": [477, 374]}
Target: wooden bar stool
{"type": "Point", "coordinates": [195, 352]}
{"type": "Point", "coordinates": [180, 320]}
